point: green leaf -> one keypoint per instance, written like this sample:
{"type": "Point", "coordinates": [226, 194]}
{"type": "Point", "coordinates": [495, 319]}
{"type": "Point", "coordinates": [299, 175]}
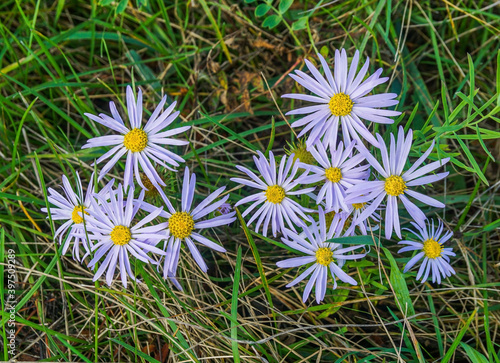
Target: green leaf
{"type": "Point", "coordinates": [459, 337]}
{"type": "Point", "coordinates": [355, 240]}
{"type": "Point", "coordinates": [472, 160]}
{"type": "Point", "coordinates": [234, 307]}
{"type": "Point", "coordinates": [262, 10]}
{"type": "Point", "coordinates": [300, 24]}
{"type": "Point", "coordinates": [324, 51]}
{"type": "Point", "coordinates": [121, 6]}
{"type": "Point", "coordinates": [400, 288]}
{"type": "Point", "coordinates": [284, 5]}
{"type": "Point", "coordinates": [339, 297]}
{"type": "Point", "coordinates": [250, 1]}
{"type": "Point", "coordinates": [135, 351]}
{"type": "Point", "coordinates": [271, 139]}
{"type": "Point", "coordinates": [258, 261]}
{"type": "Point", "coordinates": [271, 21]}
{"type": "Point", "coordinates": [473, 354]}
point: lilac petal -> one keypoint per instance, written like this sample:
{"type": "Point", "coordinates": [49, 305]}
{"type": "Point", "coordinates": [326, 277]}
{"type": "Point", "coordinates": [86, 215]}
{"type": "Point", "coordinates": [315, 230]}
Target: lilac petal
{"type": "Point", "coordinates": [302, 276]}
{"type": "Point", "coordinates": [337, 271]}
{"type": "Point", "coordinates": [205, 241]}
{"type": "Point", "coordinates": [425, 199]}
{"type": "Point", "coordinates": [310, 283]}
{"type": "Point", "coordinates": [413, 261]}
{"type": "Point", "coordinates": [196, 255]}
{"type": "Point", "coordinates": [427, 179]}
{"type": "Point", "coordinates": [296, 261]}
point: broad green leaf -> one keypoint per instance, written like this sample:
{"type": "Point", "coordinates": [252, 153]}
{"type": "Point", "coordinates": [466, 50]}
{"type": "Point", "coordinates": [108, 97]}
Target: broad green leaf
{"type": "Point", "coordinates": [121, 6]}
{"type": "Point", "coordinates": [400, 288]}
{"type": "Point", "coordinates": [300, 24]}
{"type": "Point", "coordinates": [473, 354]}
{"type": "Point", "coordinates": [262, 10]}
{"type": "Point", "coordinates": [271, 21]}
{"type": "Point", "coordinates": [355, 240]}
{"type": "Point", "coordinates": [284, 5]}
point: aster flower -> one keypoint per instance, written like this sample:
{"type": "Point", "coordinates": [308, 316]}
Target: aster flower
{"type": "Point", "coordinates": [436, 257]}
{"type": "Point", "coordinates": [323, 256]}
{"type": "Point", "coordinates": [141, 145]}
{"type": "Point", "coordinates": [274, 195]}
{"type": "Point", "coordinates": [72, 208]}
{"type": "Point", "coordinates": [341, 98]}
{"type": "Point", "coordinates": [111, 226]}
{"type": "Point", "coordinates": [337, 171]}
{"type": "Point", "coordinates": [354, 211]}
{"type": "Point", "coordinates": [352, 223]}
{"type": "Point", "coordinates": [396, 183]}
{"type": "Point", "coordinates": [185, 222]}
{"type": "Point", "coordinates": [225, 208]}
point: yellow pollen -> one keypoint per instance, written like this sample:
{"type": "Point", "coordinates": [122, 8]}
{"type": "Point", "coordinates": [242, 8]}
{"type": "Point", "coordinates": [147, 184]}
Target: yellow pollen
{"type": "Point", "coordinates": [395, 185]}
{"type": "Point", "coordinates": [275, 194]}
{"type": "Point", "coordinates": [333, 174]}
{"type": "Point", "coordinates": [340, 104]}
{"type": "Point", "coordinates": [75, 216]}
{"type": "Point", "coordinates": [432, 249]}
{"type": "Point", "coordinates": [136, 140]}
{"type": "Point", "coordinates": [181, 224]}
{"type": "Point", "coordinates": [120, 235]}
{"type": "Point", "coordinates": [358, 205]}
{"type": "Point", "coordinates": [324, 256]}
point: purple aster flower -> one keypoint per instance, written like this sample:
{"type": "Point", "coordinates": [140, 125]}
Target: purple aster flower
{"type": "Point", "coordinates": [142, 145]}
{"type": "Point", "coordinates": [323, 256]}
{"type": "Point", "coordinates": [354, 211]}
{"type": "Point", "coordinates": [341, 99]}
{"type": "Point", "coordinates": [183, 225]}
{"type": "Point", "coordinates": [110, 225]}
{"type": "Point", "coordinates": [225, 208]}
{"type": "Point", "coordinates": [274, 195]}
{"type": "Point", "coordinates": [72, 208]}
{"type": "Point", "coordinates": [436, 257]}
{"type": "Point", "coordinates": [396, 183]}
{"type": "Point", "coordinates": [337, 171]}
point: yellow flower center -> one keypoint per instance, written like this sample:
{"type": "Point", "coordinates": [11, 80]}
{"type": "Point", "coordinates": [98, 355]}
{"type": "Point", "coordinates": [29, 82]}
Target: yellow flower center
{"type": "Point", "coordinates": [136, 140]}
{"type": "Point", "coordinates": [120, 235]}
{"type": "Point", "coordinates": [395, 185]}
{"type": "Point", "coordinates": [432, 249]}
{"type": "Point", "coordinates": [358, 205]}
{"type": "Point", "coordinates": [340, 104]}
{"type": "Point", "coordinates": [324, 256]}
{"type": "Point", "coordinates": [75, 216]}
{"type": "Point", "coordinates": [333, 174]}
{"type": "Point", "coordinates": [181, 224]}
{"type": "Point", "coordinates": [275, 194]}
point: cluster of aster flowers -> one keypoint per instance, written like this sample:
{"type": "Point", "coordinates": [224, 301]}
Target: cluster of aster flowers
{"type": "Point", "coordinates": [353, 191]}
{"type": "Point", "coordinates": [329, 186]}
{"type": "Point", "coordinates": [107, 223]}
